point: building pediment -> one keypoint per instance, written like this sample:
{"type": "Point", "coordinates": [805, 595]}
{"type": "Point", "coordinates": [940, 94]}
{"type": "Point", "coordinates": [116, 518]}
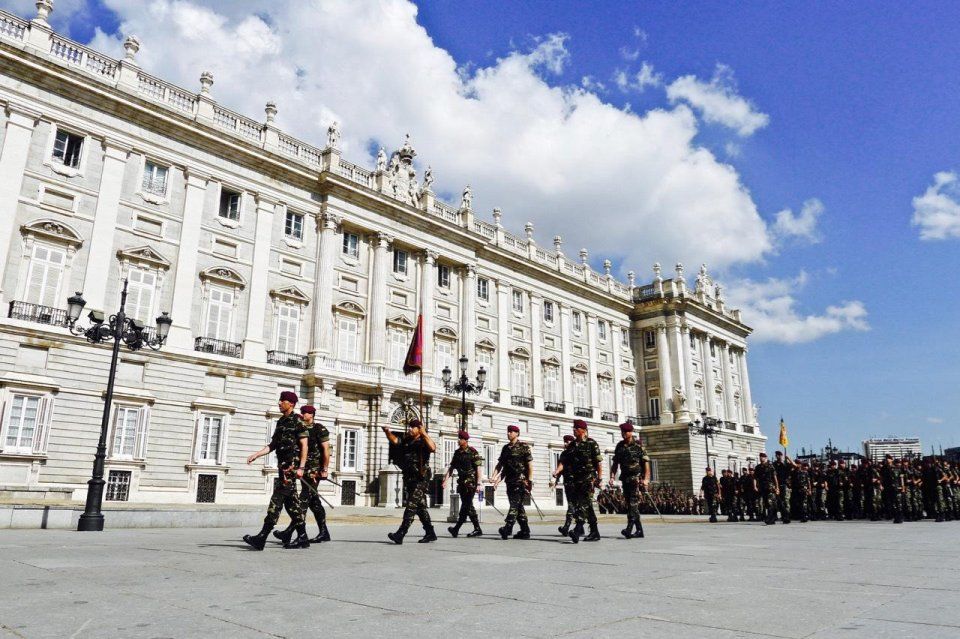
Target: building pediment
{"type": "Point", "coordinates": [520, 351]}
{"type": "Point", "coordinates": [605, 374]}
{"type": "Point", "coordinates": [144, 255]}
{"type": "Point", "coordinates": [445, 332]}
{"type": "Point", "coordinates": [630, 379]}
{"type": "Point", "coordinates": [223, 275]}
{"type": "Point", "coordinates": [402, 321]}
{"type": "Point", "coordinates": [349, 308]}
{"type": "Point", "coordinates": [580, 367]}
{"type": "Point", "coordinates": [53, 231]}
{"type": "Point", "coordinates": [290, 294]}
{"type": "Point", "coordinates": [486, 345]}
{"type": "Point", "coordinates": [551, 361]}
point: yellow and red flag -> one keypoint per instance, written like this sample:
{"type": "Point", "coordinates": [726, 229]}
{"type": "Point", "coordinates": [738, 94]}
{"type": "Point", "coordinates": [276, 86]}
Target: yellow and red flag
{"type": "Point", "coordinates": [784, 441]}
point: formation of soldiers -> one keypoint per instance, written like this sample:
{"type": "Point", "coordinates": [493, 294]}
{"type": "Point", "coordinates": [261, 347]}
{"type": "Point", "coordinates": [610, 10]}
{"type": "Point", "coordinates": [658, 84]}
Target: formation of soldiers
{"type": "Point", "coordinates": [896, 489]}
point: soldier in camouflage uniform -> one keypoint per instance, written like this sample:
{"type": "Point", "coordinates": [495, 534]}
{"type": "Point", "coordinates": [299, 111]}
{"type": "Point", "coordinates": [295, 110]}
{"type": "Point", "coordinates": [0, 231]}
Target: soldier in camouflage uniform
{"type": "Point", "coordinates": [515, 466]}
{"type": "Point", "coordinates": [948, 490]}
{"type": "Point", "coordinates": [467, 462]}
{"type": "Point", "coordinates": [564, 462]}
{"type": "Point", "coordinates": [710, 492]}
{"type": "Point", "coordinates": [870, 481]}
{"type": "Point", "coordinates": [834, 481]}
{"type": "Point", "coordinates": [892, 482]}
{"type": "Point", "coordinates": [801, 490]}
{"type": "Point", "coordinates": [728, 488]}
{"type": "Point", "coordinates": [289, 442]}
{"type": "Point", "coordinates": [783, 469]}
{"type": "Point", "coordinates": [318, 460]}
{"type": "Point", "coordinates": [585, 466]}
{"type": "Point", "coordinates": [819, 478]}
{"type": "Point", "coordinates": [932, 492]}
{"type": "Point", "coordinates": [411, 452]}
{"type": "Point", "coordinates": [765, 478]}
{"type": "Point", "coordinates": [749, 494]}
{"type": "Point", "coordinates": [634, 465]}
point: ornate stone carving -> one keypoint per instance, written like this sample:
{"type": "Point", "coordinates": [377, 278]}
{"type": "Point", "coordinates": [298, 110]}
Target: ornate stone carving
{"type": "Point", "coordinates": [130, 47]}
{"type": "Point", "coordinates": [381, 160]}
{"type": "Point", "coordinates": [466, 199]}
{"type": "Point", "coordinates": [333, 135]}
{"type": "Point", "coordinates": [206, 81]}
{"type": "Point", "coordinates": [427, 179]}
{"type": "Point", "coordinates": [679, 397]}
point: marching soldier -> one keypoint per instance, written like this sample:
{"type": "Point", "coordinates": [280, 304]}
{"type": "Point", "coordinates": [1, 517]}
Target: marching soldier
{"type": "Point", "coordinates": [564, 462]}
{"type": "Point", "coordinates": [515, 466]}
{"type": "Point", "coordinates": [933, 494]}
{"type": "Point", "coordinates": [783, 470]}
{"type": "Point", "coordinates": [893, 489]}
{"type": "Point", "coordinates": [318, 461]}
{"type": "Point", "coordinates": [710, 492]}
{"type": "Point", "coordinates": [749, 493]}
{"type": "Point", "coordinates": [634, 465]}
{"type": "Point", "coordinates": [585, 465]}
{"type": "Point", "coordinates": [768, 488]}
{"type": "Point", "coordinates": [801, 490]}
{"type": "Point", "coordinates": [412, 453]}
{"type": "Point", "coordinates": [467, 462]}
{"type": "Point", "coordinates": [728, 488]}
{"type": "Point", "coordinates": [289, 442]}
{"type": "Point", "coordinates": [835, 491]}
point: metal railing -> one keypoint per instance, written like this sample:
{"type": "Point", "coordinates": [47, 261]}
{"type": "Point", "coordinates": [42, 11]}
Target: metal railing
{"type": "Point", "coordinates": [580, 411]}
{"type": "Point", "coordinates": [633, 419]}
{"type": "Point", "coordinates": [750, 430]}
{"type": "Point", "coordinates": [521, 400]}
{"type": "Point", "coordinates": [554, 407]}
{"type": "Point", "coordinates": [287, 359]}
{"type": "Point", "coordinates": [730, 425]}
{"type": "Point", "coordinates": [217, 346]}
{"type": "Point", "coordinates": [650, 421]}
{"type": "Point", "coordinates": [37, 313]}
{"type": "Point", "coordinates": [608, 417]}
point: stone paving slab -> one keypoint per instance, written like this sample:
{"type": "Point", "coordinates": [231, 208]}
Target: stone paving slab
{"type": "Point", "coordinates": [819, 580]}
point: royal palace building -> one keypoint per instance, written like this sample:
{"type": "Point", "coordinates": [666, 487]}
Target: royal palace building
{"type": "Point", "coordinates": [284, 266]}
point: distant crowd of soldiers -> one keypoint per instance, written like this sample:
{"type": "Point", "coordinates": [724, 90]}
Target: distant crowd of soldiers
{"type": "Point", "coordinates": [896, 489]}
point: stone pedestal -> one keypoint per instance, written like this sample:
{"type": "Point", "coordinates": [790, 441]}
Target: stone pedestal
{"type": "Point", "coordinates": [391, 490]}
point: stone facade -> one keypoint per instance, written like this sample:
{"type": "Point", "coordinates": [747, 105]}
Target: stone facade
{"type": "Point", "coordinates": [284, 266]}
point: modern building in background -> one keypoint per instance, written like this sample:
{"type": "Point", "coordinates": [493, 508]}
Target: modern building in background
{"type": "Point", "coordinates": [284, 266]}
{"type": "Point", "coordinates": [877, 448]}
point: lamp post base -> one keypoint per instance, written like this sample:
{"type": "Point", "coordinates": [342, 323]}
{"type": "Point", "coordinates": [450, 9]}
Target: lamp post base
{"type": "Point", "coordinates": [90, 523]}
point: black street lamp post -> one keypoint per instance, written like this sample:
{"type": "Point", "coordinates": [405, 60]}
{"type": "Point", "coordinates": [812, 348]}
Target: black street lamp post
{"type": "Point", "coordinates": [463, 386]}
{"type": "Point", "coordinates": [708, 427]}
{"type": "Point", "coordinates": [120, 329]}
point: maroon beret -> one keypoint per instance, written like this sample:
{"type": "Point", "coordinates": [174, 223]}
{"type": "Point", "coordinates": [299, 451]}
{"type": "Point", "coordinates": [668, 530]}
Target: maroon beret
{"type": "Point", "coordinates": [626, 427]}
{"type": "Point", "coordinates": [414, 423]}
{"type": "Point", "coordinates": [579, 423]}
{"type": "Point", "coordinates": [289, 396]}
{"type": "Point", "coordinates": [462, 434]}
{"type": "Point", "coordinates": [307, 408]}
{"type": "Point", "coordinates": [568, 438]}
{"type": "Point", "coordinates": [513, 428]}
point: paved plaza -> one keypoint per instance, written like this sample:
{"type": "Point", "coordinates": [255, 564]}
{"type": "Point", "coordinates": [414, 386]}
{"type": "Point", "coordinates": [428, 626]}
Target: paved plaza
{"type": "Point", "coordinates": [689, 579]}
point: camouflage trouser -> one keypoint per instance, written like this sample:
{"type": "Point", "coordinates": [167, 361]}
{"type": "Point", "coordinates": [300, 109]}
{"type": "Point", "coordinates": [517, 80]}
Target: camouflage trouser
{"type": "Point", "coordinates": [848, 505]}
{"type": "Point", "coordinates": [284, 495]}
{"type": "Point", "coordinates": [569, 496]}
{"type": "Point", "coordinates": [415, 489]}
{"type": "Point", "coordinates": [801, 499]}
{"type": "Point", "coordinates": [768, 505]}
{"type": "Point", "coordinates": [581, 494]}
{"type": "Point", "coordinates": [783, 504]}
{"type": "Point", "coordinates": [750, 505]}
{"type": "Point", "coordinates": [891, 504]}
{"type": "Point", "coordinates": [631, 493]}
{"type": "Point", "coordinates": [515, 493]}
{"type": "Point", "coordinates": [730, 506]}
{"type": "Point", "coordinates": [310, 499]}
{"type": "Point", "coordinates": [819, 508]}
{"type": "Point", "coordinates": [467, 493]}
{"type": "Point", "coordinates": [835, 502]}
{"type": "Point", "coordinates": [711, 500]}
{"type": "Point", "coordinates": [869, 505]}
{"type": "Point", "coordinates": [934, 502]}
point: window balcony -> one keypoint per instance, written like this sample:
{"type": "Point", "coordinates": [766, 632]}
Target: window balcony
{"type": "Point", "coordinates": [730, 425]}
{"type": "Point", "coordinates": [748, 429]}
{"type": "Point", "coordinates": [217, 347]}
{"type": "Point", "coordinates": [633, 419]}
{"type": "Point", "coordinates": [554, 407]}
{"type": "Point", "coordinates": [37, 313]}
{"type": "Point", "coordinates": [608, 417]}
{"type": "Point", "coordinates": [521, 400]}
{"type": "Point", "coordinates": [580, 411]}
{"type": "Point", "coordinates": [287, 359]}
{"type": "Point", "coordinates": [650, 421]}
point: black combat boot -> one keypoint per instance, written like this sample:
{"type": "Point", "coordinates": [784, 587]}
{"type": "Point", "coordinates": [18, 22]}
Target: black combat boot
{"type": "Point", "coordinates": [576, 533]}
{"type": "Point", "coordinates": [713, 519]}
{"type": "Point", "coordinates": [639, 532]}
{"type": "Point", "coordinates": [285, 534]}
{"type": "Point", "coordinates": [594, 533]}
{"type": "Point", "coordinates": [324, 533]}
{"type": "Point", "coordinates": [301, 540]}
{"type": "Point", "coordinates": [259, 540]}
{"type": "Point", "coordinates": [454, 530]}
{"type": "Point", "coordinates": [397, 537]}
{"type": "Point", "coordinates": [428, 537]}
{"type": "Point", "coordinates": [505, 531]}
{"type": "Point", "coordinates": [628, 531]}
{"type": "Point", "coordinates": [524, 531]}
{"type": "Point", "coordinates": [565, 528]}
{"type": "Point", "coordinates": [476, 532]}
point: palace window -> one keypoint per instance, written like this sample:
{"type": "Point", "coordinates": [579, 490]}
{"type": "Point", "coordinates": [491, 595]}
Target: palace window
{"type": "Point", "coordinates": [219, 323]}
{"type": "Point", "coordinates": [548, 311]}
{"type": "Point", "coordinates": [347, 338]}
{"type": "Point", "coordinates": [654, 407]}
{"type": "Point", "coordinates": [625, 338]}
{"type": "Point", "coordinates": [400, 261]}
{"type": "Point", "coordinates": [484, 358]}
{"type": "Point", "coordinates": [141, 292]}
{"type": "Point", "coordinates": [26, 422]}
{"type": "Point", "coordinates": [399, 340]}
{"type": "Point", "coordinates": [293, 225]}
{"type": "Point", "coordinates": [629, 399]}
{"type": "Point", "coordinates": [47, 264]}
{"type": "Point", "coordinates": [605, 389]}
{"type": "Point", "coordinates": [518, 301]}
{"type": "Point", "coordinates": [602, 330]}
{"type": "Point", "coordinates": [351, 244]}
{"type": "Point", "coordinates": [443, 276]}
{"type": "Point", "coordinates": [577, 322]}
{"type": "Point", "coordinates": [67, 149]}
{"type": "Point", "coordinates": [551, 383]}
{"type": "Point", "coordinates": [154, 178]}
{"type": "Point", "coordinates": [229, 204]}
{"type": "Point", "coordinates": [288, 328]}
{"type": "Point", "coordinates": [649, 340]}
{"type": "Point", "coordinates": [443, 356]}
{"type": "Point", "coordinates": [519, 380]}
{"type": "Point", "coordinates": [129, 437]}
{"type": "Point", "coordinates": [580, 390]}
{"type": "Point", "coordinates": [483, 289]}
{"type": "Point", "coordinates": [350, 450]}
{"type": "Point", "coordinates": [211, 435]}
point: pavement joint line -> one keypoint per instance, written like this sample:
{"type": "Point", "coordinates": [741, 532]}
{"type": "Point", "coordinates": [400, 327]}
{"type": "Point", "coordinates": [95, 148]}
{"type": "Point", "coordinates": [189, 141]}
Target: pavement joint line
{"type": "Point", "coordinates": [630, 592]}
{"type": "Point", "coordinates": [913, 623]}
{"type": "Point", "coordinates": [13, 632]}
{"type": "Point", "coordinates": [466, 592]}
{"type": "Point", "coordinates": [679, 623]}
{"type": "Point", "coordinates": [205, 614]}
{"type": "Point", "coordinates": [80, 629]}
{"type": "Point", "coordinates": [346, 601]}
{"type": "Point", "coordinates": [898, 586]}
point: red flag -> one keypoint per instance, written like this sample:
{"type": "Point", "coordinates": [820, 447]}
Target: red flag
{"type": "Point", "coordinates": [414, 360]}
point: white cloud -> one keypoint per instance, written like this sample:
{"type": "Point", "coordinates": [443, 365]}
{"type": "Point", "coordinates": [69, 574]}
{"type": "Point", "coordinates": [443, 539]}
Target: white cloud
{"type": "Point", "coordinates": [590, 83]}
{"type": "Point", "coordinates": [934, 420]}
{"type": "Point", "coordinates": [937, 211]}
{"type": "Point", "coordinates": [802, 225]}
{"type": "Point", "coordinates": [718, 101]}
{"type": "Point", "coordinates": [645, 77]}
{"type": "Point", "coordinates": [732, 149]}
{"type": "Point", "coordinates": [629, 186]}
{"type": "Point", "coordinates": [628, 54]}
{"type": "Point", "coordinates": [770, 307]}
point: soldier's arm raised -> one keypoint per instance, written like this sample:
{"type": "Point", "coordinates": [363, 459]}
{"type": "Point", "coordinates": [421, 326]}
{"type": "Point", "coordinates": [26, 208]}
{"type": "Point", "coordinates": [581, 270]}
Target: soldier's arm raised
{"type": "Point", "coordinates": [430, 444]}
{"type": "Point", "coordinates": [390, 436]}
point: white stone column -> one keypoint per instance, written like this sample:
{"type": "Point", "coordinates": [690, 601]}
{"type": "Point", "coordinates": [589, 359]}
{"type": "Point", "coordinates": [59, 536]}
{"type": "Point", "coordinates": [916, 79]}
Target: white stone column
{"type": "Point", "coordinates": [536, 366]}
{"type": "Point", "coordinates": [676, 358]}
{"type": "Point", "coordinates": [592, 364]}
{"type": "Point", "coordinates": [708, 382]}
{"type": "Point", "coordinates": [745, 388]}
{"type": "Point", "coordinates": [468, 317]}
{"type": "Point", "coordinates": [96, 276]}
{"type": "Point", "coordinates": [257, 300]}
{"type": "Point", "coordinates": [616, 335]}
{"type": "Point", "coordinates": [377, 300]}
{"type": "Point", "coordinates": [324, 275]}
{"type": "Point", "coordinates": [688, 376]}
{"type": "Point", "coordinates": [727, 382]}
{"type": "Point", "coordinates": [185, 282]}
{"type": "Point", "coordinates": [13, 161]}
{"type": "Point", "coordinates": [428, 278]}
{"type": "Point", "coordinates": [666, 377]}
{"type": "Point", "coordinates": [565, 373]}
{"type": "Point", "coordinates": [503, 340]}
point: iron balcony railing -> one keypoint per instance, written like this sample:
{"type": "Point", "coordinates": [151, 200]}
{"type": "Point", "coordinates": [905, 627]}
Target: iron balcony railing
{"type": "Point", "coordinates": [521, 400]}
{"type": "Point", "coordinates": [217, 346]}
{"type": "Point", "coordinates": [37, 313]}
{"type": "Point", "coordinates": [608, 417]}
{"type": "Point", "coordinates": [553, 407]}
{"type": "Point", "coordinates": [580, 411]}
{"type": "Point", "coordinates": [650, 421]}
{"type": "Point", "coordinates": [633, 419]}
{"type": "Point", "coordinates": [730, 425]}
{"type": "Point", "coordinates": [287, 359]}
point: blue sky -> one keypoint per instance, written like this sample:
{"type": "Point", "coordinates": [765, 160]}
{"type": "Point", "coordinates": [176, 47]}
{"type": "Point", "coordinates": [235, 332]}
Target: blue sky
{"type": "Point", "coordinates": [862, 107]}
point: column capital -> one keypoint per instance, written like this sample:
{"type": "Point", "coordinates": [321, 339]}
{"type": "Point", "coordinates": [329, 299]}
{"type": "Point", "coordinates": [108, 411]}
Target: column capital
{"type": "Point", "coordinates": [22, 116]}
{"type": "Point", "coordinates": [327, 219]}
{"type": "Point", "coordinates": [195, 178]}
{"type": "Point", "coordinates": [383, 240]}
{"type": "Point", "coordinates": [684, 327]}
{"type": "Point", "coordinates": [265, 202]}
{"type": "Point", "coordinates": [503, 286]}
{"type": "Point", "coordinates": [115, 149]}
{"type": "Point", "coordinates": [469, 270]}
{"type": "Point", "coordinates": [661, 327]}
{"type": "Point", "coordinates": [429, 256]}
{"type": "Point", "coordinates": [535, 298]}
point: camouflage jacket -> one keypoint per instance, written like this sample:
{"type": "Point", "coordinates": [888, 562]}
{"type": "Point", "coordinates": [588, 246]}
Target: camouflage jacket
{"type": "Point", "coordinates": [801, 480]}
{"type": "Point", "coordinates": [413, 457]}
{"type": "Point", "coordinates": [834, 479]}
{"type": "Point", "coordinates": [765, 475]}
{"type": "Point", "coordinates": [746, 484]}
{"type": "Point", "coordinates": [709, 485]}
{"type": "Point", "coordinates": [631, 458]}
{"type": "Point", "coordinates": [584, 457]}
{"type": "Point", "coordinates": [566, 463]}
{"type": "Point", "coordinates": [783, 473]}
{"type": "Point", "coordinates": [286, 440]}
{"type": "Point", "coordinates": [466, 462]}
{"type": "Point", "coordinates": [890, 477]}
{"type": "Point", "coordinates": [729, 486]}
{"type": "Point", "coordinates": [513, 461]}
{"type": "Point", "coordinates": [318, 436]}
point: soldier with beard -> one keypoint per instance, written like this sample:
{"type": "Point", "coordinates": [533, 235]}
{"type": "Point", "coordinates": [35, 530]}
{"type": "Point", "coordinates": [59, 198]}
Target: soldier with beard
{"type": "Point", "coordinates": [411, 452]}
